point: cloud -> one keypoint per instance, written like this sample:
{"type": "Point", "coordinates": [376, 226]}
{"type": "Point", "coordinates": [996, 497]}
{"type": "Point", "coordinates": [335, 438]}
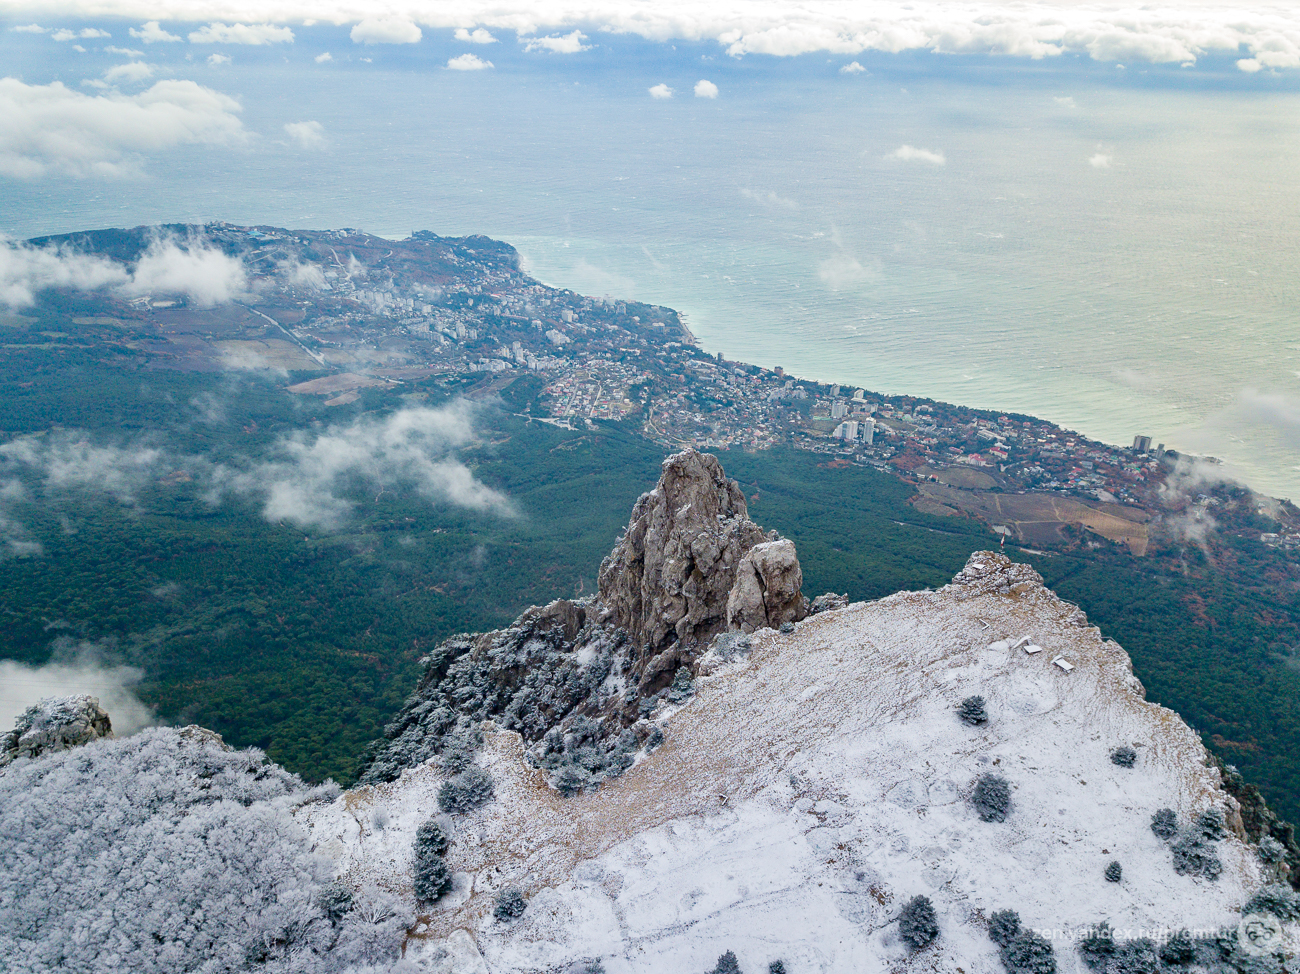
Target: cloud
{"type": "Point", "coordinates": [840, 271]}
{"type": "Point", "coordinates": [69, 461]}
{"type": "Point", "coordinates": [476, 36]}
{"type": "Point", "coordinates": [308, 135]}
{"type": "Point", "coordinates": [705, 89]}
{"type": "Point", "coordinates": [309, 483]}
{"type": "Point", "coordinates": [85, 33]}
{"type": "Point", "coordinates": [1266, 32]}
{"type": "Point", "coordinates": [53, 129]}
{"type": "Point", "coordinates": [853, 67]}
{"type": "Point", "coordinates": [468, 62]}
{"type": "Point", "coordinates": [25, 271]}
{"type": "Point", "coordinates": [570, 43]}
{"type": "Point", "coordinates": [201, 273]}
{"type": "Point", "coordinates": [386, 30]}
{"type": "Point", "coordinates": [132, 71]}
{"type": "Point", "coordinates": [1100, 160]}
{"type": "Point", "coordinates": [216, 33]}
{"type": "Point", "coordinates": [124, 51]}
{"type": "Point", "coordinates": [1066, 102]}
{"type": "Point", "coordinates": [218, 59]}
{"type": "Point", "coordinates": [80, 671]}
{"type": "Point", "coordinates": [324, 58]}
{"type": "Point", "coordinates": [151, 33]}
{"type": "Point", "coordinates": [661, 91]}
{"type": "Point", "coordinates": [909, 153]}
{"type": "Point", "coordinates": [30, 29]}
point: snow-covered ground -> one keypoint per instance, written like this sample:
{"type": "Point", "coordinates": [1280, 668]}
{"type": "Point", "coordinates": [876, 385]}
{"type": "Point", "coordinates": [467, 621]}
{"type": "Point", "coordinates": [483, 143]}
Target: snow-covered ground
{"type": "Point", "coordinates": [812, 787]}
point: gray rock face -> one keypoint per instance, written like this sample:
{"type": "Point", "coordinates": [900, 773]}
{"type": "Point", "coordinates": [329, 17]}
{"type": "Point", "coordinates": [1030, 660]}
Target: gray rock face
{"type": "Point", "coordinates": [767, 591]}
{"type": "Point", "coordinates": [578, 678]}
{"type": "Point", "coordinates": [55, 724]}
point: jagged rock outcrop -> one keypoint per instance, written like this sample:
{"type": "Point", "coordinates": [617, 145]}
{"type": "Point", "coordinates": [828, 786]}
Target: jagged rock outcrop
{"type": "Point", "coordinates": [767, 591]}
{"type": "Point", "coordinates": [578, 677]}
{"type": "Point", "coordinates": [55, 724]}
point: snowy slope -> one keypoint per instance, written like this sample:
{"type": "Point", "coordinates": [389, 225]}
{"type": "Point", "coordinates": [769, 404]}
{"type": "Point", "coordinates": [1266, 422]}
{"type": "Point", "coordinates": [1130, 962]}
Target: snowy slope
{"type": "Point", "coordinates": [811, 788]}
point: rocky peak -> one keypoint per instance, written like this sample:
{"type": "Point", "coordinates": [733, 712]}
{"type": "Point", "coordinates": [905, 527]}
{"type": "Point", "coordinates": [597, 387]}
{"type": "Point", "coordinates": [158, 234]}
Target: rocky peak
{"type": "Point", "coordinates": [690, 565]}
{"type": "Point", "coordinates": [55, 724]}
{"type": "Point", "coordinates": [675, 578]}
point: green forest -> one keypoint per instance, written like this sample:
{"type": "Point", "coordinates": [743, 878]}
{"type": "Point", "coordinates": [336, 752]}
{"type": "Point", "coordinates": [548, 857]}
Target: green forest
{"type": "Point", "coordinates": [305, 641]}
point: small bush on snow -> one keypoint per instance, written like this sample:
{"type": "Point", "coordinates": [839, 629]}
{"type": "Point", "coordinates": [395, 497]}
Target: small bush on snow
{"type": "Point", "coordinates": [1279, 900]}
{"type": "Point", "coordinates": [510, 904]}
{"type": "Point", "coordinates": [1003, 927]}
{"type": "Point", "coordinates": [1179, 949]}
{"type": "Point", "coordinates": [1125, 757]}
{"type": "Point", "coordinates": [1114, 872]}
{"type": "Point", "coordinates": [432, 877]}
{"type": "Point", "coordinates": [917, 923]}
{"type": "Point", "coordinates": [1097, 946]}
{"type": "Point", "coordinates": [727, 964]}
{"type": "Point", "coordinates": [991, 798]}
{"type": "Point", "coordinates": [971, 711]}
{"type": "Point", "coordinates": [466, 791]}
{"type": "Point", "coordinates": [1270, 850]}
{"type": "Point", "coordinates": [1164, 823]}
{"type": "Point", "coordinates": [1028, 953]}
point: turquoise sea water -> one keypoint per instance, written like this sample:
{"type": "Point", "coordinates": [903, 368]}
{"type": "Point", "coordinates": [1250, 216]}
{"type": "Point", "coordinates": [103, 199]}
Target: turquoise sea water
{"type": "Point", "coordinates": [1117, 260]}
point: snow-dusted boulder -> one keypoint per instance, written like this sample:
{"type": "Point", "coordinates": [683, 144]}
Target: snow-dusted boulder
{"type": "Point", "coordinates": [55, 724]}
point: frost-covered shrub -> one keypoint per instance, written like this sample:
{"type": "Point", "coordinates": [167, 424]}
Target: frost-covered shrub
{"type": "Point", "coordinates": [727, 964]}
{"type": "Point", "coordinates": [1135, 957]}
{"type": "Point", "coordinates": [917, 923]}
{"type": "Point", "coordinates": [1097, 946]}
{"type": "Point", "coordinates": [1210, 824]}
{"type": "Point", "coordinates": [1028, 953]}
{"type": "Point", "coordinates": [971, 711]}
{"type": "Point", "coordinates": [1193, 856]}
{"type": "Point", "coordinates": [430, 839]}
{"type": "Point", "coordinates": [584, 755]}
{"type": "Point", "coordinates": [1125, 757]}
{"type": "Point", "coordinates": [1003, 927]}
{"type": "Point", "coordinates": [510, 904]}
{"type": "Point", "coordinates": [466, 791]}
{"type": "Point", "coordinates": [166, 852]}
{"type": "Point", "coordinates": [1114, 872]}
{"type": "Point", "coordinates": [1179, 949]}
{"type": "Point", "coordinates": [1164, 823]}
{"type": "Point", "coordinates": [682, 687]}
{"type": "Point", "coordinates": [379, 820]}
{"type": "Point", "coordinates": [991, 798]}
{"type": "Point", "coordinates": [776, 967]}
{"type": "Point", "coordinates": [1281, 901]}
{"type": "Point", "coordinates": [1271, 851]}
{"type": "Point", "coordinates": [432, 877]}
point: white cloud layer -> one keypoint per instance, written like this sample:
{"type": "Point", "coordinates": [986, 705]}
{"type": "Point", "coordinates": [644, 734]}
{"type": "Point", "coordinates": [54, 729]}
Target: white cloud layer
{"type": "Point", "coordinates": [910, 153]}
{"type": "Point", "coordinates": [23, 686]}
{"type": "Point", "coordinates": [386, 30]}
{"type": "Point", "coordinates": [570, 43]}
{"type": "Point", "coordinates": [310, 479]}
{"type": "Point", "coordinates": [152, 33]}
{"type": "Point", "coordinates": [1176, 32]}
{"type": "Point", "coordinates": [705, 89]}
{"type": "Point", "coordinates": [476, 36]}
{"type": "Point", "coordinates": [661, 91]}
{"type": "Point", "coordinates": [203, 275]}
{"type": "Point", "coordinates": [308, 135]}
{"type": "Point", "coordinates": [53, 129]}
{"type": "Point", "coordinates": [131, 71]}
{"type": "Point", "coordinates": [217, 33]}
{"type": "Point", "coordinates": [468, 62]}
{"type": "Point", "coordinates": [853, 67]}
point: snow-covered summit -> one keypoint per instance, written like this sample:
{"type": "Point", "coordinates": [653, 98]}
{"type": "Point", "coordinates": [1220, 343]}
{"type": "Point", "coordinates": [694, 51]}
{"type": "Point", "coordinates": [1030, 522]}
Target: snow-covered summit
{"type": "Point", "coordinates": [817, 781]}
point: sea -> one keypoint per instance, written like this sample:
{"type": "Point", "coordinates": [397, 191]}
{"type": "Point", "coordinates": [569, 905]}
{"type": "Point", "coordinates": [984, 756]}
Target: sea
{"type": "Point", "coordinates": [1112, 254]}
